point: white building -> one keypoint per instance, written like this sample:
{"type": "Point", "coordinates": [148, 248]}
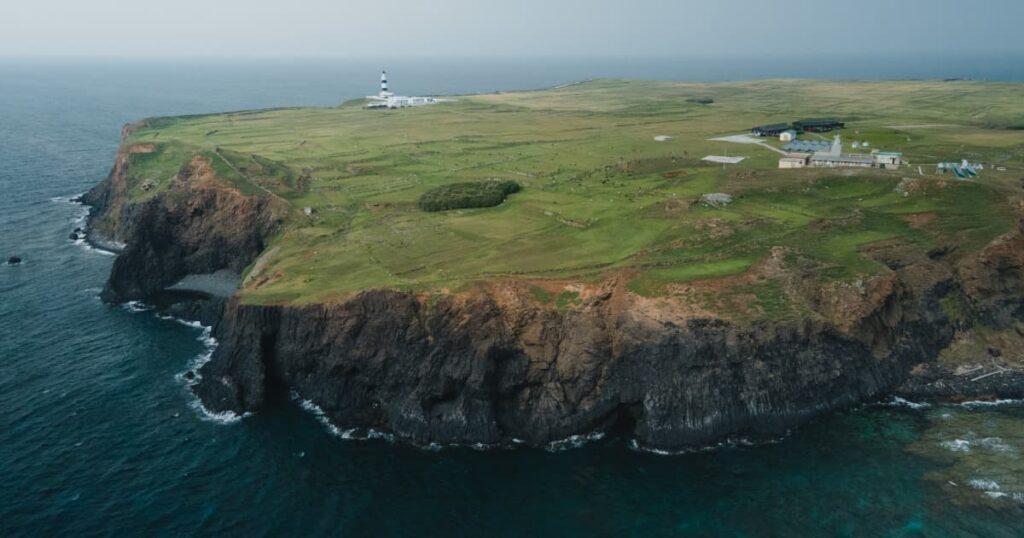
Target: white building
{"type": "Point", "coordinates": [794, 160]}
{"type": "Point", "coordinates": [888, 159]}
{"type": "Point", "coordinates": [835, 158]}
{"type": "Point", "coordinates": [387, 99]}
{"type": "Point", "coordinates": [787, 136]}
{"type": "Point", "coordinates": [401, 101]}
{"type": "Point", "coordinates": [845, 160]}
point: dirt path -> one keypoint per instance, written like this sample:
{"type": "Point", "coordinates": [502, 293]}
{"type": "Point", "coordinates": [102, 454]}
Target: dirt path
{"type": "Point", "coordinates": [260, 264]}
{"type": "Point", "coordinates": [251, 182]}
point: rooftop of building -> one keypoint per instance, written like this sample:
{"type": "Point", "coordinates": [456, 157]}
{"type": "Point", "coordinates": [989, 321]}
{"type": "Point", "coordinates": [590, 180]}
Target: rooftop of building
{"type": "Point", "coordinates": [817, 121]}
{"type": "Point", "coordinates": [774, 127]}
{"type": "Point", "coordinates": [807, 146]}
{"type": "Point", "coordinates": [844, 157]}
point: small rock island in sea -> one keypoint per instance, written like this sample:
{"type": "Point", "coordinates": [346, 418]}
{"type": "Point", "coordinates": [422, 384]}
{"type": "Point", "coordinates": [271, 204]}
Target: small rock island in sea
{"type": "Point", "coordinates": [525, 267]}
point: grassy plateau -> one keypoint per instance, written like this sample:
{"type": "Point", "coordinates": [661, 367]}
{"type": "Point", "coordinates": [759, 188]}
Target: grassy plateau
{"type": "Point", "coordinates": [600, 197]}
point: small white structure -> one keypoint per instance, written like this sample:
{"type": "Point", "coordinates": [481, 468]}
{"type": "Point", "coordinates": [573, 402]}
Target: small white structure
{"type": "Point", "coordinates": [387, 99]}
{"type": "Point", "coordinates": [888, 159]}
{"type": "Point", "coordinates": [787, 136]}
{"type": "Point", "coordinates": [723, 160]}
{"type": "Point", "coordinates": [737, 139]}
{"type": "Point", "coordinates": [401, 101]}
{"type": "Point", "coordinates": [716, 199]}
{"type": "Point", "coordinates": [663, 138]}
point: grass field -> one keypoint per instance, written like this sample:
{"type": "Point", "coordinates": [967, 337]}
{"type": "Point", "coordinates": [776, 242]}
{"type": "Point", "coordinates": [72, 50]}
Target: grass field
{"type": "Point", "coordinates": [600, 197]}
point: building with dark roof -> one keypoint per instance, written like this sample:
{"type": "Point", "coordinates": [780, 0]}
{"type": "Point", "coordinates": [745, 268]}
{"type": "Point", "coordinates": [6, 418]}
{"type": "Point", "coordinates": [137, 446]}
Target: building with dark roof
{"type": "Point", "coordinates": [773, 129]}
{"type": "Point", "coordinates": [818, 125]}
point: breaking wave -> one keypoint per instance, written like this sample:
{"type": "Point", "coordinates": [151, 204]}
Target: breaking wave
{"type": "Point", "coordinates": [896, 401]}
{"type": "Point", "coordinates": [321, 417]}
{"type": "Point", "coordinates": [993, 490]}
{"type": "Point", "coordinates": [193, 368]}
{"type": "Point", "coordinates": [191, 376]}
{"type": "Point", "coordinates": [574, 441]}
{"type": "Point", "coordinates": [991, 403]}
{"type": "Point", "coordinates": [956, 445]}
{"type": "Point", "coordinates": [992, 444]}
{"type": "Point", "coordinates": [728, 443]}
{"type": "Point", "coordinates": [136, 307]}
{"type": "Point", "coordinates": [81, 222]}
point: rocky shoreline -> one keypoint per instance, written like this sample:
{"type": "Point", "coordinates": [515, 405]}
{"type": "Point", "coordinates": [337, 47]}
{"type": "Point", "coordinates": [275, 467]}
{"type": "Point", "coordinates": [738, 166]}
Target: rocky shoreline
{"type": "Point", "coordinates": [931, 382]}
{"type": "Point", "coordinates": [490, 366]}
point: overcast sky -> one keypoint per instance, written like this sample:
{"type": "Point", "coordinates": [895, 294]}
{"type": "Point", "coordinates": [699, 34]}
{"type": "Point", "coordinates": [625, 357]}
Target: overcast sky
{"type": "Point", "coordinates": [512, 28]}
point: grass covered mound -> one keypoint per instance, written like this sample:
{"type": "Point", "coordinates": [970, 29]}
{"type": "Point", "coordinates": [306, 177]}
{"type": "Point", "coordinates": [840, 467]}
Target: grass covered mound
{"type": "Point", "coordinates": [467, 195]}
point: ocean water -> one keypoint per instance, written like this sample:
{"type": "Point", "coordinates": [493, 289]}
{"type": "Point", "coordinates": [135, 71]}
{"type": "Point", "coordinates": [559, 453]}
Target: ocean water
{"type": "Point", "coordinates": [99, 435]}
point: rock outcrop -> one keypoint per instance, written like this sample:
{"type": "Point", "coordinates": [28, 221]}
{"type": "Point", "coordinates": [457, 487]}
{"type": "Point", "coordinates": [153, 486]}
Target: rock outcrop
{"type": "Point", "coordinates": [469, 369]}
{"type": "Point", "coordinates": [199, 225]}
{"type": "Point", "coordinates": [993, 281]}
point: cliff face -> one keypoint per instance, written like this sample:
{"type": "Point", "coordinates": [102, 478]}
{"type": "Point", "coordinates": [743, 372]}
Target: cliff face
{"type": "Point", "coordinates": [198, 225]}
{"type": "Point", "coordinates": [491, 365]}
{"type": "Point", "coordinates": [478, 369]}
{"type": "Point", "coordinates": [994, 280]}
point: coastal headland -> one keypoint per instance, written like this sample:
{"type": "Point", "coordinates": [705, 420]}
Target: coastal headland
{"type": "Point", "coordinates": [524, 267]}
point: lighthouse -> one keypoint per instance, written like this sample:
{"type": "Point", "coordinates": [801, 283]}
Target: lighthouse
{"type": "Point", "coordinates": [384, 84]}
{"type": "Point", "coordinates": [387, 99]}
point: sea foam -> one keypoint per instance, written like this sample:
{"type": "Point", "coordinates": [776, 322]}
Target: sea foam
{"type": "Point", "coordinates": [81, 220]}
{"type": "Point", "coordinates": [574, 441]}
{"type": "Point", "coordinates": [321, 417]}
{"type": "Point", "coordinates": [896, 401]}
{"type": "Point", "coordinates": [136, 307]}
{"type": "Point", "coordinates": [956, 445]}
{"type": "Point", "coordinates": [194, 366]}
{"type": "Point", "coordinates": [991, 403]}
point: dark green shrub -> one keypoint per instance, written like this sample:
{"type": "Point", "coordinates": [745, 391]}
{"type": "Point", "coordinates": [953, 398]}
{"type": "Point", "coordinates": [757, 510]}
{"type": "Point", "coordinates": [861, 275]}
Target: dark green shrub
{"type": "Point", "coordinates": [467, 195]}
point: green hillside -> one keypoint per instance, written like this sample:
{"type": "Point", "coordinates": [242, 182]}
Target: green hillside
{"type": "Point", "coordinates": [599, 196]}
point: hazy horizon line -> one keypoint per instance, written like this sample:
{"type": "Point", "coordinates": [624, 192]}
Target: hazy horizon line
{"type": "Point", "coordinates": [526, 57]}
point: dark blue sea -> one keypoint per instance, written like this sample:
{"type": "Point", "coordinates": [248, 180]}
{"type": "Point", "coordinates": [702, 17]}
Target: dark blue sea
{"type": "Point", "coordinates": [99, 436]}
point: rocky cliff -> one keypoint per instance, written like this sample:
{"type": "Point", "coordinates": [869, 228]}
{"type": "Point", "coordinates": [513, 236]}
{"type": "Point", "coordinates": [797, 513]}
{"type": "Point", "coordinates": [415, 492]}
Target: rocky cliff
{"type": "Point", "coordinates": [198, 225]}
{"type": "Point", "coordinates": [472, 369]}
{"type": "Point", "coordinates": [491, 365]}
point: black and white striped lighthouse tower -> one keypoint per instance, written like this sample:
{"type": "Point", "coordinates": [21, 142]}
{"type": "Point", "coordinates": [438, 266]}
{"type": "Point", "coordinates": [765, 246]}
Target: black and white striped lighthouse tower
{"type": "Point", "coordinates": [384, 83]}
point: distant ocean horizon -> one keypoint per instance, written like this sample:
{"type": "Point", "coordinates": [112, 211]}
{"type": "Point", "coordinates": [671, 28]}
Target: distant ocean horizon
{"type": "Point", "coordinates": [329, 81]}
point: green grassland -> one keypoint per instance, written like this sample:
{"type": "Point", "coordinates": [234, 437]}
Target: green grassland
{"type": "Point", "coordinates": [600, 196]}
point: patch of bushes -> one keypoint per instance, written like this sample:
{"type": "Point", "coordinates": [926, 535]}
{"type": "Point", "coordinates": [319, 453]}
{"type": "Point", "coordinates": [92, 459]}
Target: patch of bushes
{"type": "Point", "coordinates": [953, 306]}
{"type": "Point", "coordinates": [700, 100]}
{"type": "Point", "coordinates": [567, 299]}
{"type": "Point", "coordinates": [467, 195]}
{"type": "Point", "coordinates": [540, 294]}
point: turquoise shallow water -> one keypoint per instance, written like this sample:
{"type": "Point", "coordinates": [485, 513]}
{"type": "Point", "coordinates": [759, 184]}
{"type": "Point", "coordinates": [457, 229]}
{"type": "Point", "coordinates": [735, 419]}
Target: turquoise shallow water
{"type": "Point", "coordinates": [98, 436]}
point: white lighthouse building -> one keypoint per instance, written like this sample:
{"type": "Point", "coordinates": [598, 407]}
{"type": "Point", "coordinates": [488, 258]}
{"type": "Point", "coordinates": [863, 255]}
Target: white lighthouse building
{"type": "Point", "coordinates": [384, 85]}
{"type": "Point", "coordinates": [387, 99]}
